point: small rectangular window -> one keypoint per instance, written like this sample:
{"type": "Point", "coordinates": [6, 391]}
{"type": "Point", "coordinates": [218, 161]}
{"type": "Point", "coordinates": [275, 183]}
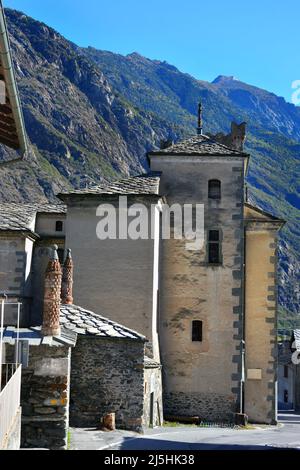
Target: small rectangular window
{"type": "Point", "coordinates": [286, 396]}
{"type": "Point", "coordinates": [286, 372]}
{"type": "Point", "coordinates": [197, 330]}
{"type": "Point", "coordinates": [214, 189]}
{"type": "Point", "coordinates": [59, 226]}
{"type": "Point", "coordinates": [214, 247]}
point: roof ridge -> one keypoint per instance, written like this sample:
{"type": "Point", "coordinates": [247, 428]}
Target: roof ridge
{"type": "Point", "coordinates": [207, 145]}
{"type": "Point", "coordinates": [141, 184]}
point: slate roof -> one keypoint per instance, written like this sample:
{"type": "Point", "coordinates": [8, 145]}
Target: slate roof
{"type": "Point", "coordinates": [85, 322]}
{"type": "Point", "coordinates": [199, 145]}
{"type": "Point", "coordinates": [297, 339]}
{"type": "Point", "coordinates": [35, 337]}
{"type": "Point", "coordinates": [18, 217]}
{"type": "Point", "coordinates": [145, 184]}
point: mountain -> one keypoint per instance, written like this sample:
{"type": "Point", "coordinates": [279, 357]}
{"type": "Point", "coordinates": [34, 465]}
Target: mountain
{"type": "Point", "coordinates": [91, 115]}
{"type": "Point", "coordinates": [80, 128]}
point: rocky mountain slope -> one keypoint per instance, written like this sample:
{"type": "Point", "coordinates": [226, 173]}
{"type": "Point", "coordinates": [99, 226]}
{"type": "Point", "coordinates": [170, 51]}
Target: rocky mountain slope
{"type": "Point", "coordinates": [91, 115]}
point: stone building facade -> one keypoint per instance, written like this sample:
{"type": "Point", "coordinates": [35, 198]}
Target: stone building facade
{"type": "Point", "coordinates": [169, 291]}
{"type": "Point", "coordinates": [198, 351]}
{"type": "Point", "coordinates": [103, 372]}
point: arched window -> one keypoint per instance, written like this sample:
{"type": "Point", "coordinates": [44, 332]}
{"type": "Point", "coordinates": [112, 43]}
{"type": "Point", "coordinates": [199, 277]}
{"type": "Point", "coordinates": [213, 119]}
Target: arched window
{"type": "Point", "coordinates": [59, 225]}
{"type": "Point", "coordinates": [214, 189]}
{"type": "Point", "coordinates": [197, 331]}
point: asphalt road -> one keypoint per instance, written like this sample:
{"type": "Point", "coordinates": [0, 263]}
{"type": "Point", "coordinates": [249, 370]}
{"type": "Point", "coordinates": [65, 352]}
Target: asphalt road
{"type": "Point", "coordinates": [285, 435]}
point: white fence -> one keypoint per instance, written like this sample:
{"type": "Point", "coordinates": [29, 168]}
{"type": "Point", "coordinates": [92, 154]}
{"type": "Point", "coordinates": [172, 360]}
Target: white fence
{"type": "Point", "coordinates": [9, 399]}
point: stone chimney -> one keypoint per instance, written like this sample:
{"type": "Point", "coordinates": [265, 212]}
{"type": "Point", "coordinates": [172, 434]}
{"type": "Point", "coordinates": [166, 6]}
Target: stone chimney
{"type": "Point", "coordinates": [51, 310]}
{"type": "Point", "coordinates": [236, 139]}
{"type": "Point", "coordinates": [238, 135]}
{"type": "Point", "coordinates": [67, 281]}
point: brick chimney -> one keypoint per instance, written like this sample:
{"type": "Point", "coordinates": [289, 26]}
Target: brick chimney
{"type": "Point", "coordinates": [67, 281]}
{"type": "Point", "coordinates": [51, 310]}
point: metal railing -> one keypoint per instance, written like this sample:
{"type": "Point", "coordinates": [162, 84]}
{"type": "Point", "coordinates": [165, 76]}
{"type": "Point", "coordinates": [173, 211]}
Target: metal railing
{"type": "Point", "coordinates": [9, 399]}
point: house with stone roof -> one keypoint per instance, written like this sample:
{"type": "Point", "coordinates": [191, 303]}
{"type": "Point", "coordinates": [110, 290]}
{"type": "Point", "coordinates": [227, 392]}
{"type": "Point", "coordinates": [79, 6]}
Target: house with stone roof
{"type": "Point", "coordinates": [201, 311]}
{"type": "Point", "coordinates": [156, 328]}
{"type": "Point", "coordinates": [140, 327]}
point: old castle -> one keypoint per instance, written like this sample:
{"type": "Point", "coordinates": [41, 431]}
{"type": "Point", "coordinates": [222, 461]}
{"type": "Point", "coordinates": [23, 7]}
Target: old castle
{"type": "Point", "coordinates": [144, 328]}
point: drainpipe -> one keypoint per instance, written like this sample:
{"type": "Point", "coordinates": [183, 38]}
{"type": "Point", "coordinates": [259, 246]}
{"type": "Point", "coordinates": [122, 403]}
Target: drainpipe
{"type": "Point", "coordinates": [243, 341]}
{"type": "Point", "coordinates": [10, 82]}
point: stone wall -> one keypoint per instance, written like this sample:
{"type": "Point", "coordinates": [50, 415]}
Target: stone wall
{"type": "Point", "coordinates": [45, 398]}
{"type": "Point", "coordinates": [204, 374]}
{"type": "Point", "coordinates": [261, 360]}
{"type": "Point", "coordinates": [153, 405]}
{"type": "Point", "coordinates": [107, 376]}
{"type": "Point", "coordinates": [207, 406]}
{"type": "Point", "coordinates": [15, 276]}
{"type": "Point", "coordinates": [106, 267]}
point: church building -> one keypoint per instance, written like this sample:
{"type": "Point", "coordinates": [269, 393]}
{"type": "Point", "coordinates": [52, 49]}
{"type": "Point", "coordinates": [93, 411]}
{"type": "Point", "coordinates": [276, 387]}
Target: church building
{"type": "Point", "coordinates": [209, 315]}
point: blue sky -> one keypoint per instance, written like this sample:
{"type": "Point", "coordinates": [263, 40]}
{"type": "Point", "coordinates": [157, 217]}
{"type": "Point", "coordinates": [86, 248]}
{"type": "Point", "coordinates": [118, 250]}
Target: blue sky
{"type": "Point", "coordinates": [257, 41]}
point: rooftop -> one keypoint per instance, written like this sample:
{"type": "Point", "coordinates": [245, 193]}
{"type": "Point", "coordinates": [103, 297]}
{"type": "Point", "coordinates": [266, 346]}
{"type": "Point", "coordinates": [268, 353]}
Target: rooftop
{"type": "Point", "coordinates": [199, 145]}
{"type": "Point", "coordinates": [35, 337]}
{"type": "Point", "coordinates": [19, 217]}
{"type": "Point", "coordinates": [145, 184]}
{"type": "Point", "coordinates": [85, 322]}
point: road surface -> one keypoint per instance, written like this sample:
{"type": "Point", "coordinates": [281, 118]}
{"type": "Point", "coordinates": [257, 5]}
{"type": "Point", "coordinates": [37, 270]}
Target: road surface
{"type": "Point", "coordinates": [285, 435]}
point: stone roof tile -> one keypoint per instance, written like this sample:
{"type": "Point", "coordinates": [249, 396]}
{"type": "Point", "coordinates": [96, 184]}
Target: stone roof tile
{"type": "Point", "coordinates": [19, 217]}
{"type": "Point", "coordinates": [199, 145]}
{"type": "Point", "coordinates": [145, 184]}
{"type": "Point", "coordinates": [88, 323]}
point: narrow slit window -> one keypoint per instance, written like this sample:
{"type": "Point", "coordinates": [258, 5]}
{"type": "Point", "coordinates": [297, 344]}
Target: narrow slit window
{"type": "Point", "coordinates": [59, 225]}
{"type": "Point", "coordinates": [214, 189]}
{"type": "Point", "coordinates": [197, 331]}
{"type": "Point", "coordinates": [214, 247]}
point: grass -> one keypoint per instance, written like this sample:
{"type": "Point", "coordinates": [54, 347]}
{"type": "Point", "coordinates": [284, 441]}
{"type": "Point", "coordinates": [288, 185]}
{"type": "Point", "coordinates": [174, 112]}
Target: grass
{"type": "Point", "coordinates": [173, 424]}
{"type": "Point", "coordinates": [69, 440]}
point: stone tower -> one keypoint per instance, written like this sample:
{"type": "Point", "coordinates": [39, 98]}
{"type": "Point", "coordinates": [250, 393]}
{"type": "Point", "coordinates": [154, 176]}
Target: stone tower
{"type": "Point", "coordinates": [201, 292]}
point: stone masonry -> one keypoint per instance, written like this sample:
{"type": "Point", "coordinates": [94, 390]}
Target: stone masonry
{"type": "Point", "coordinates": [45, 398]}
{"type": "Point", "coordinates": [107, 376]}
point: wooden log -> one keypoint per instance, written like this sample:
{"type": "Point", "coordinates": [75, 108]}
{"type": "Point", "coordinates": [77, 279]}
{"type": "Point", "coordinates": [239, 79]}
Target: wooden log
{"type": "Point", "coordinates": [108, 422]}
